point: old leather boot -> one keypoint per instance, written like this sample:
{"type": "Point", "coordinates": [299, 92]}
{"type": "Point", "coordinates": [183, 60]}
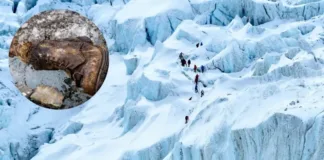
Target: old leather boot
{"type": "Point", "coordinates": [92, 73]}
{"type": "Point", "coordinates": [86, 62]}
{"type": "Point", "coordinates": [56, 54]}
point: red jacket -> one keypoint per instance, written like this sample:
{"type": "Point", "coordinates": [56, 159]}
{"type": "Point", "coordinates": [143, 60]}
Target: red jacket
{"type": "Point", "coordinates": [196, 79]}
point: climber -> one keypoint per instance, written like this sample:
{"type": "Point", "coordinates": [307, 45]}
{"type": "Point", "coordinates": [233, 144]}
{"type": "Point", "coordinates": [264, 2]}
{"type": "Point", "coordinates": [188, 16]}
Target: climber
{"type": "Point", "coordinates": [202, 68]}
{"type": "Point", "coordinates": [187, 119]}
{"type": "Point", "coordinates": [202, 93]}
{"type": "Point", "coordinates": [196, 78]}
{"type": "Point", "coordinates": [201, 43]}
{"type": "Point", "coordinates": [183, 62]}
{"type": "Point", "coordinates": [196, 88]}
{"type": "Point", "coordinates": [197, 45]}
{"type": "Point", "coordinates": [189, 62]}
{"type": "Point", "coordinates": [195, 68]}
{"type": "Point", "coordinates": [181, 55]}
{"type": "Point", "coordinates": [190, 98]}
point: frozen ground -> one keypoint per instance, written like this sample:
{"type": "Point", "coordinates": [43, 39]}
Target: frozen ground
{"type": "Point", "coordinates": [263, 95]}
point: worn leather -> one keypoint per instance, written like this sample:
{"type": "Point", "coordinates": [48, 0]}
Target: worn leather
{"type": "Point", "coordinates": [56, 54]}
{"type": "Point", "coordinates": [86, 62]}
{"type": "Point", "coordinates": [20, 49]}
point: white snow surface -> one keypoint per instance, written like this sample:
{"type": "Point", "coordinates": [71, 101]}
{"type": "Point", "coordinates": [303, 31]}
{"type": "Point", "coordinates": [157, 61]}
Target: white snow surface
{"type": "Point", "coordinates": [263, 85]}
{"type": "Point", "coordinates": [149, 8]}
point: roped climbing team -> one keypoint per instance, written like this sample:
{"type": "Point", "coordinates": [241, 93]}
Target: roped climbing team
{"type": "Point", "coordinates": [185, 63]}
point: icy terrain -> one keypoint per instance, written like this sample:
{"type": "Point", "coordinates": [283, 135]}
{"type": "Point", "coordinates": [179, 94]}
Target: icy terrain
{"type": "Point", "coordinates": [263, 85]}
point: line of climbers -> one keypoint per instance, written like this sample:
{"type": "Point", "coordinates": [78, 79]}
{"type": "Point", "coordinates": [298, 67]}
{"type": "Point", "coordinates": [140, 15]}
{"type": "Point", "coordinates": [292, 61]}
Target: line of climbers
{"type": "Point", "coordinates": [185, 63]}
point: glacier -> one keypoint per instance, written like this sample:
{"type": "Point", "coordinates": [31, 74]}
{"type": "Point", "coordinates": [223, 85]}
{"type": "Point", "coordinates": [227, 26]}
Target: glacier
{"type": "Point", "coordinates": [263, 84]}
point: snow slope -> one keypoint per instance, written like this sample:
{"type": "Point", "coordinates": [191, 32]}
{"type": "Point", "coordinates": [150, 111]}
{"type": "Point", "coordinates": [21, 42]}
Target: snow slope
{"type": "Point", "coordinates": [263, 85]}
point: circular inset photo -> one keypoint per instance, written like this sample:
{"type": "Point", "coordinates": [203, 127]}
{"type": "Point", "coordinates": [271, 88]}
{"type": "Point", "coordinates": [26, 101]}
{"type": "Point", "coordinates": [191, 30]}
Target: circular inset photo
{"type": "Point", "coordinates": [58, 59]}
